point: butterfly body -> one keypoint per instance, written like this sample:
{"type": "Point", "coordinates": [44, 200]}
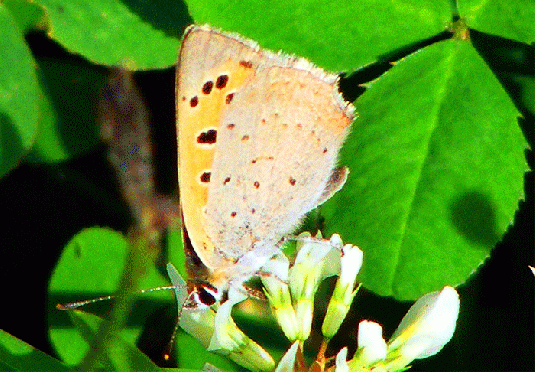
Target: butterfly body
{"type": "Point", "coordinates": [258, 134]}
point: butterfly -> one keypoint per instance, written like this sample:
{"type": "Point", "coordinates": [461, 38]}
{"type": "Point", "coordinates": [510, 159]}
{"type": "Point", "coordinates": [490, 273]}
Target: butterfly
{"type": "Point", "coordinates": [258, 138]}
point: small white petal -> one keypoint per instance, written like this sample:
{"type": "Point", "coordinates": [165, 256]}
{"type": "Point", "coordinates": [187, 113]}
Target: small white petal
{"type": "Point", "coordinates": [318, 255]}
{"type": "Point", "coordinates": [221, 339]}
{"type": "Point", "coordinates": [287, 362]}
{"type": "Point", "coordinates": [314, 250]}
{"type": "Point", "coordinates": [341, 361]}
{"type": "Point", "coordinates": [350, 262]}
{"type": "Point", "coordinates": [428, 325]}
{"type": "Point", "coordinates": [198, 323]}
{"type": "Point", "coordinates": [331, 264]}
{"type": "Point", "coordinates": [336, 241]}
{"type": "Point", "coordinates": [371, 344]}
{"type": "Point", "coordinates": [532, 269]}
{"type": "Point", "coordinates": [277, 268]}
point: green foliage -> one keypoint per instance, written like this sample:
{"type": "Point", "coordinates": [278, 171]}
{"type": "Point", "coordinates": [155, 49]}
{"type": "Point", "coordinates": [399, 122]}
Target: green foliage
{"type": "Point", "coordinates": [68, 110]}
{"type": "Point", "coordinates": [436, 154]}
{"type": "Point", "coordinates": [16, 355]}
{"type": "Point", "coordinates": [122, 355]}
{"type": "Point", "coordinates": [18, 94]}
{"type": "Point", "coordinates": [436, 162]}
{"type": "Point", "coordinates": [142, 35]}
{"type": "Point", "coordinates": [91, 265]}
{"type": "Point", "coordinates": [506, 19]}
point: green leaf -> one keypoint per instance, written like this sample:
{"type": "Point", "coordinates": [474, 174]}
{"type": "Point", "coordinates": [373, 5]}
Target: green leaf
{"type": "Point", "coordinates": [28, 15]}
{"type": "Point", "coordinates": [122, 355]}
{"type": "Point", "coordinates": [192, 354]}
{"type": "Point", "coordinates": [18, 94]}
{"type": "Point", "coordinates": [67, 124]}
{"type": "Point", "coordinates": [338, 36]}
{"type": "Point", "coordinates": [18, 355]}
{"type": "Point", "coordinates": [509, 19]}
{"type": "Point", "coordinates": [142, 35]}
{"type": "Point", "coordinates": [437, 165]}
{"type": "Point", "coordinates": [91, 265]}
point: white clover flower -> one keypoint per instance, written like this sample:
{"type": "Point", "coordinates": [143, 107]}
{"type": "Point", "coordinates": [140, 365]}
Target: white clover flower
{"type": "Point", "coordinates": [341, 361]}
{"type": "Point", "coordinates": [323, 256]}
{"type": "Point", "coordinates": [287, 362]}
{"type": "Point", "coordinates": [344, 291]}
{"type": "Point", "coordinates": [226, 334]}
{"type": "Point", "coordinates": [218, 332]}
{"type": "Point", "coordinates": [278, 293]}
{"type": "Point", "coordinates": [350, 264]}
{"type": "Point", "coordinates": [199, 323]}
{"type": "Point", "coordinates": [426, 328]}
{"type": "Point", "coordinates": [316, 259]}
{"type": "Point", "coordinates": [228, 338]}
{"type": "Point", "coordinates": [371, 344]}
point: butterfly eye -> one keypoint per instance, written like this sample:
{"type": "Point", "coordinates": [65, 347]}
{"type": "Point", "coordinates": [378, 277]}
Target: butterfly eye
{"type": "Point", "coordinates": [202, 295]}
{"type": "Point", "coordinates": [207, 295]}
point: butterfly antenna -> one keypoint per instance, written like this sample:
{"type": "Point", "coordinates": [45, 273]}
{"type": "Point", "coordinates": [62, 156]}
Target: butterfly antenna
{"type": "Point", "coordinates": [182, 297]}
{"type": "Point", "coordinates": [77, 304]}
{"type": "Point", "coordinates": [171, 342]}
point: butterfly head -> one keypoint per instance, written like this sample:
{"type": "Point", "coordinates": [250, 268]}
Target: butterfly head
{"type": "Point", "coordinates": [202, 295]}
